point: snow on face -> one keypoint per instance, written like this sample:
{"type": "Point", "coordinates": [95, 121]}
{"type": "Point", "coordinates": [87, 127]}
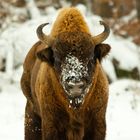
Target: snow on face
{"type": "Point", "coordinates": [73, 69]}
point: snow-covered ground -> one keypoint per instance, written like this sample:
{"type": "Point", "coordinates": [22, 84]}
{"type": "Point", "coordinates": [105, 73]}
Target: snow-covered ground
{"type": "Point", "coordinates": [123, 113]}
{"type": "Point", "coordinates": [12, 104]}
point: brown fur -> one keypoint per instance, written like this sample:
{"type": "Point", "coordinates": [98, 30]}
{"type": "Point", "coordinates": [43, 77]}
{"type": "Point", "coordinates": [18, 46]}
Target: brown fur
{"type": "Point", "coordinates": [48, 115]}
{"type": "Point", "coordinates": [69, 20]}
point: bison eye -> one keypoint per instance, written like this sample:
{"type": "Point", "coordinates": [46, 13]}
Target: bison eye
{"type": "Point", "coordinates": [57, 62]}
{"type": "Point", "coordinates": [91, 60]}
{"type": "Point", "coordinates": [91, 63]}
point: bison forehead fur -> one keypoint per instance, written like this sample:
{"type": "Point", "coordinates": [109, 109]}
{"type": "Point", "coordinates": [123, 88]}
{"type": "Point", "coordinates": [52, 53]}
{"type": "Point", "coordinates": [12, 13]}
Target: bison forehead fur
{"type": "Point", "coordinates": [72, 108]}
{"type": "Point", "coordinates": [77, 42]}
{"type": "Point", "coordinates": [69, 19]}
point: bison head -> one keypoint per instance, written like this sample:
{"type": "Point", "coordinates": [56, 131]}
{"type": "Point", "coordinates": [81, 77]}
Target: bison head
{"type": "Point", "coordinates": [73, 56]}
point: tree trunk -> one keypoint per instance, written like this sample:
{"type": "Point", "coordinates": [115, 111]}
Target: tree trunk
{"type": "Point", "coordinates": [102, 8]}
{"type": "Point", "coordinates": [42, 4]}
{"type": "Point", "coordinates": [75, 2]}
{"type": "Point", "coordinates": [138, 8]}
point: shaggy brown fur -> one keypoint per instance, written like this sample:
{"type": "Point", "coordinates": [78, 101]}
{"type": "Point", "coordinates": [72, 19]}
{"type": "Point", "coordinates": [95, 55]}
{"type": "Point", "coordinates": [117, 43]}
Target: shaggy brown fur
{"type": "Point", "coordinates": [69, 20]}
{"type": "Point", "coordinates": [48, 115]}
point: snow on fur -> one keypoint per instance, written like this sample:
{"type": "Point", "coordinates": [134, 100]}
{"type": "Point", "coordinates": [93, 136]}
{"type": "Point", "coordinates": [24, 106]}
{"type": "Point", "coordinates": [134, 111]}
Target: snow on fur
{"type": "Point", "coordinates": [73, 68]}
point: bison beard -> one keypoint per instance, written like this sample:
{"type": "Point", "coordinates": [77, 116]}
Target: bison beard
{"type": "Point", "coordinates": [63, 81]}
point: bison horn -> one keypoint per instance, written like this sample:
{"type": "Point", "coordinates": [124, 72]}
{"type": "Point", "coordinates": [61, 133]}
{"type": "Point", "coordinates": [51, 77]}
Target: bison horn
{"type": "Point", "coordinates": [101, 37]}
{"type": "Point", "coordinates": [43, 38]}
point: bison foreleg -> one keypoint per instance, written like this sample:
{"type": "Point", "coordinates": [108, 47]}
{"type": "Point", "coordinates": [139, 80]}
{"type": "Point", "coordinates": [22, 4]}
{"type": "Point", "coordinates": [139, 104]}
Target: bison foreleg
{"type": "Point", "coordinates": [100, 125]}
{"type": "Point", "coordinates": [49, 132]}
{"type": "Point", "coordinates": [100, 132]}
{"type": "Point", "coordinates": [32, 124]}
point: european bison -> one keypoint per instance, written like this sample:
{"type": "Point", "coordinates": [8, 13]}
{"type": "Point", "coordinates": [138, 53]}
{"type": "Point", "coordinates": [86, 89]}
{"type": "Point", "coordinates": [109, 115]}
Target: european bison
{"type": "Point", "coordinates": [64, 83]}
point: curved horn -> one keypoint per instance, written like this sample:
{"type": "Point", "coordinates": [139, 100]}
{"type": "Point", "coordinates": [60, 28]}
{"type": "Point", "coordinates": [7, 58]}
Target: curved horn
{"type": "Point", "coordinates": [44, 38]}
{"type": "Point", "coordinates": [101, 37]}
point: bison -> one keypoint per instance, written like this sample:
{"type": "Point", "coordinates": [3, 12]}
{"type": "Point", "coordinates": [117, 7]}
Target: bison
{"type": "Point", "coordinates": [64, 83]}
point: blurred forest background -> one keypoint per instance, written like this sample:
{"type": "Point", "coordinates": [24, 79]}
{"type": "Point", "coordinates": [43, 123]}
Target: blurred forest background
{"type": "Point", "coordinates": [114, 12]}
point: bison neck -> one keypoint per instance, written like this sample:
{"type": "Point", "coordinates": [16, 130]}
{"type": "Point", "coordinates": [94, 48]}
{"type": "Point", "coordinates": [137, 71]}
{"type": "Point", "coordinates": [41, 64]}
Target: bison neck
{"type": "Point", "coordinates": [53, 102]}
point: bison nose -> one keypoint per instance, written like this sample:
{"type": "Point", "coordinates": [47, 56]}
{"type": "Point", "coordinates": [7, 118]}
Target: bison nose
{"type": "Point", "coordinates": [78, 85]}
{"type": "Point", "coordinates": [75, 88]}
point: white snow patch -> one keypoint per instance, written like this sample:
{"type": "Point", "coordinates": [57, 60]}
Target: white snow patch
{"type": "Point", "coordinates": [123, 111]}
{"type": "Point", "coordinates": [125, 52]}
{"type": "Point", "coordinates": [12, 103]}
{"type": "Point", "coordinates": [73, 68]}
{"type": "Point", "coordinates": [109, 69]}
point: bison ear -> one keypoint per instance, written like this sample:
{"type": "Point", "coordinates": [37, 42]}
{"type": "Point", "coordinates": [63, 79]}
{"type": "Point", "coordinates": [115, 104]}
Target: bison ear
{"type": "Point", "coordinates": [101, 50]}
{"type": "Point", "coordinates": [46, 55]}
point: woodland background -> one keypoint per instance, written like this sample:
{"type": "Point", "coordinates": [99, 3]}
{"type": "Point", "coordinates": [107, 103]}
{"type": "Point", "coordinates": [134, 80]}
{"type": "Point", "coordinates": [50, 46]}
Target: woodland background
{"type": "Point", "coordinates": [113, 12]}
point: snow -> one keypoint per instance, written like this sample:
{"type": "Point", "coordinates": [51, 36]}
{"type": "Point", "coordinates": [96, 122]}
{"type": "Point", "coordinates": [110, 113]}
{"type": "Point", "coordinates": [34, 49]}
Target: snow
{"type": "Point", "coordinates": [109, 69]}
{"type": "Point", "coordinates": [123, 111]}
{"type": "Point", "coordinates": [73, 68]}
{"type": "Point", "coordinates": [12, 103]}
{"type": "Point", "coordinates": [125, 52]}
{"type": "Point", "coordinates": [33, 10]}
{"type": "Point", "coordinates": [130, 16]}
